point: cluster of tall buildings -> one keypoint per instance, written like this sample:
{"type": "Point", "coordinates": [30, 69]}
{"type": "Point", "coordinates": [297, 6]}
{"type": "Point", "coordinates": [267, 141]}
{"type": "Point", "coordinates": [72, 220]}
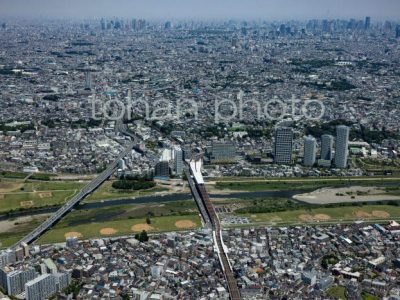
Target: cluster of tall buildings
{"type": "Point", "coordinates": [134, 24]}
{"type": "Point", "coordinates": [171, 162]}
{"type": "Point", "coordinates": [326, 153]}
{"type": "Point", "coordinates": [284, 147]}
{"type": "Point", "coordinates": [25, 281]}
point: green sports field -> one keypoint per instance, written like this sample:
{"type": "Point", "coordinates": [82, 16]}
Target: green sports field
{"type": "Point", "coordinates": [328, 215]}
{"type": "Point", "coordinates": [17, 194]}
{"type": "Point", "coordinates": [89, 223]}
{"type": "Point", "coordinates": [121, 227]}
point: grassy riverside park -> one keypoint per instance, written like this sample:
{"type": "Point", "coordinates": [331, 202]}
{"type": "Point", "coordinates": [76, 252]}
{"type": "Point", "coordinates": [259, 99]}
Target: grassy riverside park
{"type": "Point", "coordinates": [93, 229]}
{"type": "Point", "coordinates": [8, 238]}
{"type": "Point", "coordinates": [17, 194]}
{"type": "Point", "coordinates": [334, 214]}
{"type": "Point", "coordinates": [257, 185]}
{"type": "Point", "coordinates": [120, 227]}
{"type": "Point", "coordinates": [163, 217]}
{"type": "Point", "coordinates": [118, 220]}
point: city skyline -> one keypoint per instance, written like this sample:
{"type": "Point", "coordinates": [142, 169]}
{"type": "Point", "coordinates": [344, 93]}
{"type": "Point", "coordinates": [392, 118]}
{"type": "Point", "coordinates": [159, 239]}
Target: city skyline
{"type": "Point", "coordinates": [208, 10]}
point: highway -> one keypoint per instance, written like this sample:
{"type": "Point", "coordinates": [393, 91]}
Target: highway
{"type": "Point", "coordinates": [124, 130]}
{"type": "Point", "coordinates": [89, 188]}
{"type": "Point", "coordinates": [201, 192]}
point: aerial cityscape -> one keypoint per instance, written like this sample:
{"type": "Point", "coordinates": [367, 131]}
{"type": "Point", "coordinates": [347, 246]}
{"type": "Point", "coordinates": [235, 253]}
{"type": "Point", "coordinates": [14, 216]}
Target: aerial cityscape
{"type": "Point", "coordinates": [200, 150]}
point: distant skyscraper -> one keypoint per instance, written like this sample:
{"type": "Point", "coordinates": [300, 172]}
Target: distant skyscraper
{"type": "Point", "coordinates": [341, 150]}
{"type": "Point", "coordinates": [41, 287]}
{"type": "Point", "coordinates": [282, 29]}
{"type": "Point", "coordinates": [326, 147]}
{"type": "Point", "coordinates": [325, 25]}
{"type": "Point", "coordinates": [310, 151]}
{"type": "Point", "coordinates": [103, 24]}
{"type": "Point", "coordinates": [117, 24]}
{"type": "Point", "coordinates": [178, 162]}
{"type": "Point", "coordinates": [141, 24]}
{"type": "Point", "coordinates": [134, 24]}
{"type": "Point", "coordinates": [168, 25]}
{"type": "Point", "coordinates": [367, 23]}
{"type": "Point", "coordinates": [398, 31]}
{"type": "Point", "coordinates": [88, 80]}
{"type": "Point", "coordinates": [283, 145]}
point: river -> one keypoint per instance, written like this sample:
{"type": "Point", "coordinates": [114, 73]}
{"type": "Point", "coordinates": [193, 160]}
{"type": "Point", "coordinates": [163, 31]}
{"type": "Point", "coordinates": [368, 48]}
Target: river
{"type": "Point", "coordinates": [155, 199]}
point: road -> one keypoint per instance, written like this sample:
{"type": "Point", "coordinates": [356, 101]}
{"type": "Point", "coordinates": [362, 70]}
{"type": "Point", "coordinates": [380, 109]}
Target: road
{"type": "Point", "coordinates": [89, 188]}
{"type": "Point", "coordinates": [67, 207]}
{"type": "Point", "coordinates": [123, 129]}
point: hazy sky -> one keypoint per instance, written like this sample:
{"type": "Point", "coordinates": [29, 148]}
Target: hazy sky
{"type": "Point", "coordinates": [203, 9]}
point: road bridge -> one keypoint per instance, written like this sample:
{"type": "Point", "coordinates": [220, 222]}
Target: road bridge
{"type": "Point", "coordinates": [68, 206]}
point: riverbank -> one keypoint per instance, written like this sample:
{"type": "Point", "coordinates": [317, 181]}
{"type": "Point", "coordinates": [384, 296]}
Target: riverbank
{"type": "Point", "coordinates": [328, 195]}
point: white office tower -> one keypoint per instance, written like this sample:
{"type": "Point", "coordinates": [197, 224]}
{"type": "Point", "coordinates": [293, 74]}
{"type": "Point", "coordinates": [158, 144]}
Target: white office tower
{"type": "Point", "coordinates": [342, 142]}
{"type": "Point", "coordinates": [326, 147]}
{"type": "Point", "coordinates": [122, 164]}
{"type": "Point", "coordinates": [178, 161]}
{"type": "Point", "coordinates": [283, 145]}
{"type": "Point", "coordinates": [41, 287]}
{"type": "Point", "coordinates": [310, 151]}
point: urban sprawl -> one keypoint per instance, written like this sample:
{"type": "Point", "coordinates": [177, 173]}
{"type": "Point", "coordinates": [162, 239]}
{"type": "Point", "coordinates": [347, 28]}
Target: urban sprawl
{"type": "Point", "coordinates": [291, 100]}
